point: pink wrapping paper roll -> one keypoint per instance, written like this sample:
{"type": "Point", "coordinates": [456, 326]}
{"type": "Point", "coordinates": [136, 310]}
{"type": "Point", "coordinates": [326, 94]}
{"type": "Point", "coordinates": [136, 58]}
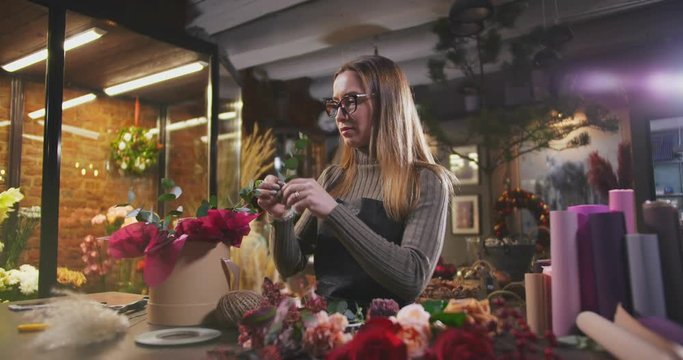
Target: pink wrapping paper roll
{"type": "Point", "coordinates": [618, 341]}
{"type": "Point", "coordinates": [565, 289]}
{"type": "Point", "coordinates": [624, 200]}
{"type": "Point", "coordinates": [584, 240]}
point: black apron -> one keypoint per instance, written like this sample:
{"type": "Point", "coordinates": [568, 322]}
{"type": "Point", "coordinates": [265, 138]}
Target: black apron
{"type": "Point", "coordinates": [338, 274]}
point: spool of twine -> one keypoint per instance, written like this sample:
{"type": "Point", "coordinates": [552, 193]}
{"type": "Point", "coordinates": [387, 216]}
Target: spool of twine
{"type": "Point", "coordinates": [232, 306]}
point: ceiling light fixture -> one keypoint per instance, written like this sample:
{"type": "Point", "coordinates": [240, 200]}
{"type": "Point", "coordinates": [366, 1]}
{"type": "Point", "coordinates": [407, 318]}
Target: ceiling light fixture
{"type": "Point", "coordinates": [88, 134]}
{"type": "Point", "coordinates": [155, 78]}
{"type": "Point", "coordinates": [70, 43]}
{"type": "Point", "coordinates": [182, 125]}
{"type": "Point", "coordinates": [65, 105]}
{"type": "Point", "coordinates": [4, 123]}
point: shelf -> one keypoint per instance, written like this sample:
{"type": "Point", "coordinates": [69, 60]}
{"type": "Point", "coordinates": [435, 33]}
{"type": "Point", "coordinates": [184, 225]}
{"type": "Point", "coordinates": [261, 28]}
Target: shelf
{"type": "Point", "coordinates": [670, 195]}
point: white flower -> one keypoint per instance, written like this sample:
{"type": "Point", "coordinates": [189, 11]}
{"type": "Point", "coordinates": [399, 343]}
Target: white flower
{"type": "Point", "coordinates": [127, 137]}
{"type": "Point", "coordinates": [26, 277]}
{"type": "Point", "coordinates": [122, 145]}
{"type": "Point", "coordinates": [32, 212]}
{"type": "Point", "coordinates": [149, 135]}
{"type": "Point", "coordinates": [413, 314]}
{"type": "Point", "coordinates": [124, 166]}
{"type": "Point", "coordinates": [98, 219]}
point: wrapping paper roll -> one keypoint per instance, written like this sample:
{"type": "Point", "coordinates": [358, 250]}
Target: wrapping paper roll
{"type": "Point", "coordinates": [624, 320]}
{"type": "Point", "coordinates": [566, 302]}
{"type": "Point", "coordinates": [609, 261]}
{"type": "Point", "coordinates": [664, 327]}
{"type": "Point", "coordinates": [589, 292]}
{"type": "Point", "coordinates": [538, 303]}
{"type": "Point", "coordinates": [660, 217]}
{"type": "Point", "coordinates": [624, 200]}
{"type": "Point", "coordinates": [645, 273]}
{"type": "Point", "coordinates": [616, 340]}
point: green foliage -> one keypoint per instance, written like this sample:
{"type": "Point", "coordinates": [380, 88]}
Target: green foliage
{"type": "Point", "coordinates": [134, 150]}
{"type": "Point", "coordinates": [171, 192]}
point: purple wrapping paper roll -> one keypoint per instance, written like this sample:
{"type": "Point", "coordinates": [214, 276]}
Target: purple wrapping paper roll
{"type": "Point", "coordinates": [624, 200]}
{"type": "Point", "coordinates": [662, 218]}
{"type": "Point", "coordinates": [609, 261]}
{"type": "Point", "coordinates": [645, 273]}
{"type": "Point", "coordinates": [664, 328]}
{"type": "Point", "coordinates": [589, 293]}
{"type": "Point", "coordinates": [566, 302]}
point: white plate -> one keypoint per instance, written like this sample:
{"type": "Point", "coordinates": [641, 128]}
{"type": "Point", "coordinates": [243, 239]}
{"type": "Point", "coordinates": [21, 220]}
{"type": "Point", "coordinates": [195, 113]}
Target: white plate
{"type": "Point", "coordinates": [177, 336]}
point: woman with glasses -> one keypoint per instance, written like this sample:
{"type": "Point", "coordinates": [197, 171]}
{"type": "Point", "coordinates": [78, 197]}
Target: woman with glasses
{"type": "Point", "coordinates": [375, 223]}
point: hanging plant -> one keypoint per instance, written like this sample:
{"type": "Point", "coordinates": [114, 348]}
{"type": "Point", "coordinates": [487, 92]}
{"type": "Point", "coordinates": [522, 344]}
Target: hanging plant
{"type": "Point", "coordinates": [134, 150]}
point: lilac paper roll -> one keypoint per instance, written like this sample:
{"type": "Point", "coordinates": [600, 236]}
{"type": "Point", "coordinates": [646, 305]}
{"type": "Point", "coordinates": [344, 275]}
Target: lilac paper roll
{"type": "Point", "coordinates": [645, 272]}
{"type": "Point", "coordinates": [566, 302]}
{"type": "Point", "coordinates": [609, 261]}
{"type": "Point", "coordinates": [662, 218]}
{"type": "Point", "coordinates": [624, 200]}
{"type": "Point", "coordinates": [589, 292]}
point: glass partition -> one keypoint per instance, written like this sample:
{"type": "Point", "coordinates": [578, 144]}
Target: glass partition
{"type": "Point", "coordinates": [24, 32]}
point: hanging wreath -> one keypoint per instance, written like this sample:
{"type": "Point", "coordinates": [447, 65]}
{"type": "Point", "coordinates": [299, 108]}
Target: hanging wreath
{"type": "Point", "coordinates": [134, 150]}
{"type": "Point", "coordinates": [518, 199]}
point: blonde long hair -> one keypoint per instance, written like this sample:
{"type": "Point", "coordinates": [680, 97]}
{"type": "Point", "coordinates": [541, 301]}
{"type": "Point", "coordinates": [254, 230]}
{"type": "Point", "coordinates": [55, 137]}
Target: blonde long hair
{"type": "Point", "coordinates": [397, 131]}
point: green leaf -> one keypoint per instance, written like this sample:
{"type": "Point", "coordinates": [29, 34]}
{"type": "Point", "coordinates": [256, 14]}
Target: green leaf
{"type": "Point", "coordinates": [166, 197]}
{"type": "Point", "coordinates": [167, 183]}
{"type": "Point", "coordinates": [301, 144]}
{"type": "Point", "coordinates": [203, 209]}
{"type": "Point", "coordinates": [144, 216]}
{"type": "Point", "coordinates": [434, 307]}
{"type": "Point", "coordinates": [292, 163]}
{"type": "Point", "coordinates": [449, 319]}
{"type": "Point", "coordinates": [167, 221]}
{"type": "Point", "coordinates": [260, 317]}
{"type": "Point", "coordinates": [337, 306]}
{"type": "Point", "coordinates": [213, 201]}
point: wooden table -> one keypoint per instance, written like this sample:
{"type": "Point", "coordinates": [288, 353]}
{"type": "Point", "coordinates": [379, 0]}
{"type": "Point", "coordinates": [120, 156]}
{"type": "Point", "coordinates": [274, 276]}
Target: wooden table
{"type": "Point", "coordinates": [16, 345]}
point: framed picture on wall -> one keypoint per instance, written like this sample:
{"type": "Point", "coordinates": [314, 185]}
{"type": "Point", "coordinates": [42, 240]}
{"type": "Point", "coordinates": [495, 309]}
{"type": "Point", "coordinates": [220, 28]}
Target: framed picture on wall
{"type": "Point", "coordinates": [465, 214]}
{"type": "Point", "coordinates": [465, 169]}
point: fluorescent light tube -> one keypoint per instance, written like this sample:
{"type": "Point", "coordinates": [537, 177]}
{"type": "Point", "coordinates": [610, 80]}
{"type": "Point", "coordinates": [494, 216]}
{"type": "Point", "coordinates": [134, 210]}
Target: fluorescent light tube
{"type": "Point", "coordinates": [70, 43]}
{"type": "Point", "coordinates": [227, 115]}
{"type": "Point", "coordinates": [89, 134]}
{"type": "Point", "coordinates": [4, 123]}
{"type": "Point", "coordinates": [65, 105]}
{"type": "Point", "coordinates": [182, 125]}
{"type": "Point", "coordinates": [155, 78]}
{"type": "Point", "coordinates": [33, 137]}
{"type": "Point", "coordinates": [227, 136]}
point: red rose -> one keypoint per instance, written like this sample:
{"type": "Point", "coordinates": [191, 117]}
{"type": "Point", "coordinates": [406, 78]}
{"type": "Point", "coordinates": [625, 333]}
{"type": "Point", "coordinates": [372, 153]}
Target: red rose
{"type": "Point", "coordinates": [233, 224]}
{"type": "Point", "coordinates": [199, 229]}
{"type": "Point", "coordinates": [376, 339]}
{"type": "Point", "coordinates": [131, 240]}
{"type": "Point", "coordinates": [462, 344]}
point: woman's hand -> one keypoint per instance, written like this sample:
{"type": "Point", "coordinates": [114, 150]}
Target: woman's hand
{"type": "Point", "coordinates": [303, 194]}
{"type": "Point", "coordinates": [268, 199]}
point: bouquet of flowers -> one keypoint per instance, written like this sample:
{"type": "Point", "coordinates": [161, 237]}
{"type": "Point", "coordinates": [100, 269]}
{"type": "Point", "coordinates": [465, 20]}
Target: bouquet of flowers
{"type": "Point", "coordinates": [160, 242]}
{"type": "Point", "coordinates": [455, 329]}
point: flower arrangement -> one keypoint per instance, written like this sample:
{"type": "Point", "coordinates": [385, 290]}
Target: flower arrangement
{"type": "Point", "coordinates": [160, 242]}
{"type": "Point", "coordinates": [17, 236]}
{"type": "Point", "coordinates": [134, 150]}
{"type": "Point", "coordinates": [70, 278]}
{"type": "Point", "coordinates": [281, 328]}
{"type": "Point", "coordinates": [17, 284]}
{"type": "Point", "coordinates": [96, 258]}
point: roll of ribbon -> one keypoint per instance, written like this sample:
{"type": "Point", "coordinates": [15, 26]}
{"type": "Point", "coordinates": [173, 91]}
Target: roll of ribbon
{"type": "Point", "coordinates": [645, 273]}
{"type": "Point", "coordinates": [609, 262]}
{"type": "Point", "coordinates": [662, 218]}
{"type": "Point", "coordinates": [566, 302]}
{"type": "Point", "coordinates": [624, 200]}
{"type": "Point", "coordinates": [589, 292]}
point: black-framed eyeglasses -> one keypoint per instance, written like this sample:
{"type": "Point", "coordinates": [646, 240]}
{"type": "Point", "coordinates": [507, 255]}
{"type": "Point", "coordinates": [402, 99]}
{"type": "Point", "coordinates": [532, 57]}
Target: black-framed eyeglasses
{"type": "Point", "coordinates": [348, 104]}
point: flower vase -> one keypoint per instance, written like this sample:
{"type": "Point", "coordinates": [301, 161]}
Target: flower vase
{"type": "Point", "coordinates": [190, 294]}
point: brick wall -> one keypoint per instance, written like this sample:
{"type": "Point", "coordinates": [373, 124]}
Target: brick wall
{"type": "Point", "coordinates": [4, 130]}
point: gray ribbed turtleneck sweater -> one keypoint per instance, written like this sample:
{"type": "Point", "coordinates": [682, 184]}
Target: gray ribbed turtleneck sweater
{"type": "Point", "coordinates": [404, 269]}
